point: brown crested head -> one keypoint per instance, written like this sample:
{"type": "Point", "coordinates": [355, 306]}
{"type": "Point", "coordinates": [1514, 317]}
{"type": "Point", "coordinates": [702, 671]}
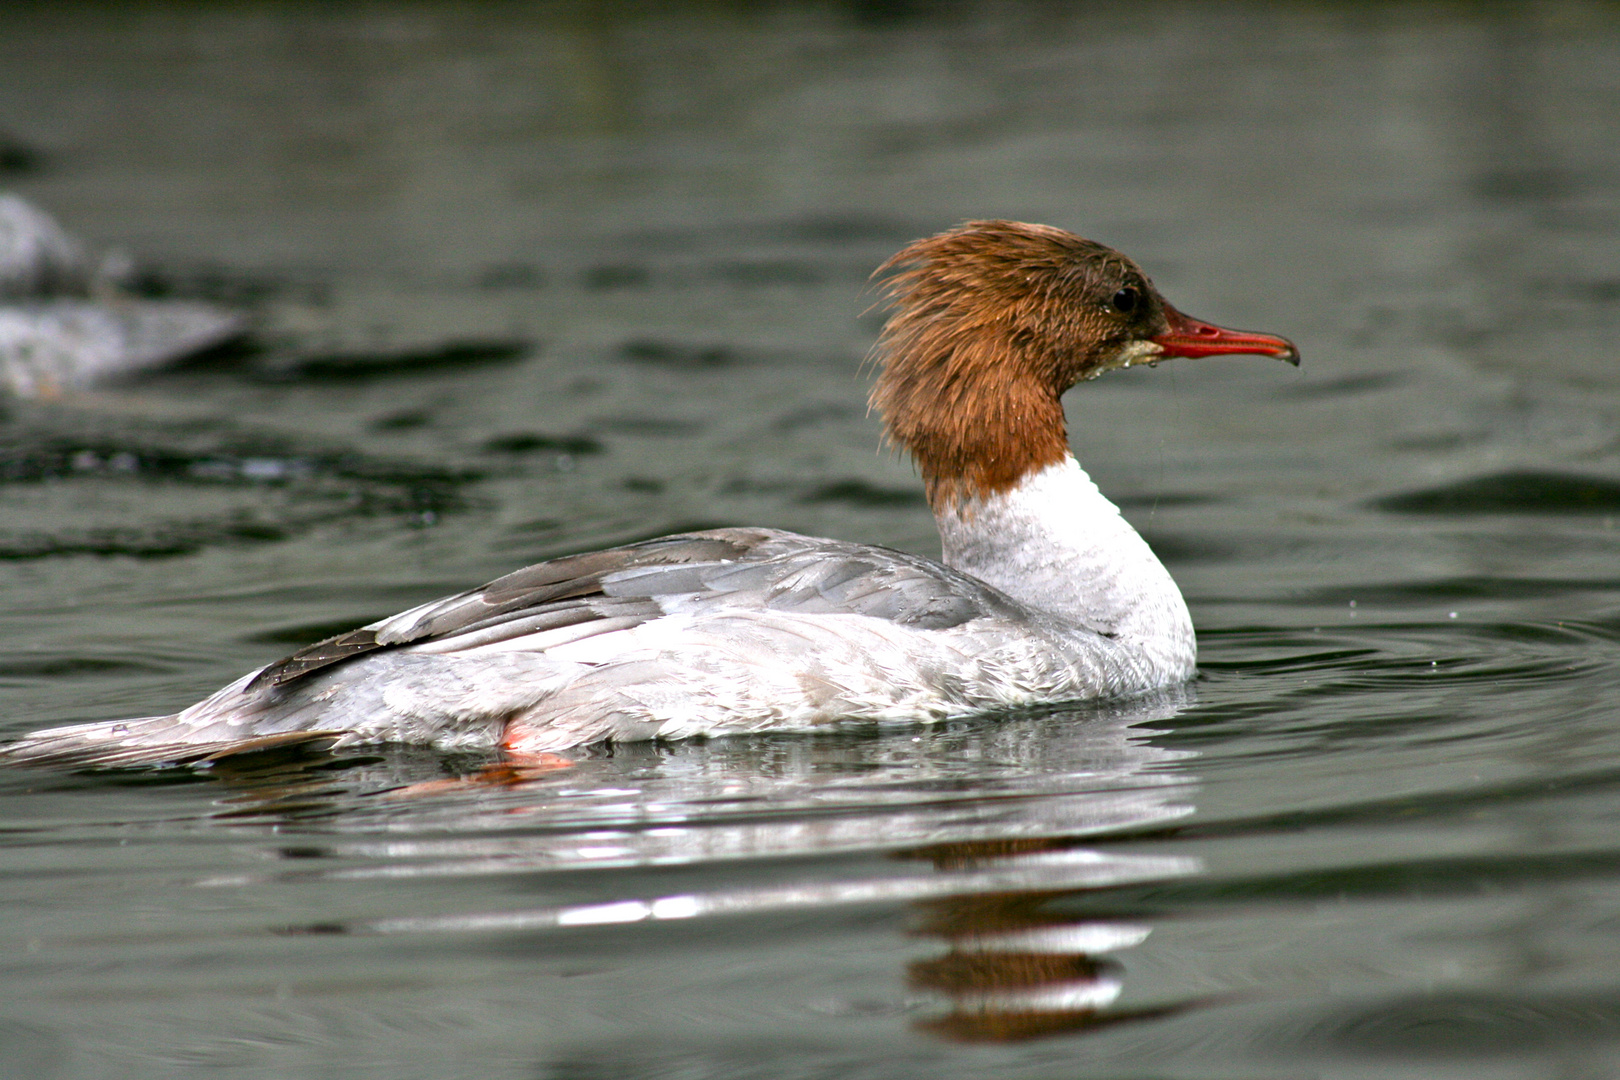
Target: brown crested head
{"type": "Point", "coordinates": [991, 322]}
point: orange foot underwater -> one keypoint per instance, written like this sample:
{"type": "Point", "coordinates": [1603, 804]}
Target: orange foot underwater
{"type": "Point", "coordinates": [517, 769]}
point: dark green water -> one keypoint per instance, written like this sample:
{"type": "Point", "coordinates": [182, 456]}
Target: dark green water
{"type": "Point", "coordinates": [533, 279]}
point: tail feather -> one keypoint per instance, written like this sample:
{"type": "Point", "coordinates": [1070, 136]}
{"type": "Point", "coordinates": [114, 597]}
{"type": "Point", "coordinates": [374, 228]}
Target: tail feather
{"type": "Point", "coordinates": [146, 742]}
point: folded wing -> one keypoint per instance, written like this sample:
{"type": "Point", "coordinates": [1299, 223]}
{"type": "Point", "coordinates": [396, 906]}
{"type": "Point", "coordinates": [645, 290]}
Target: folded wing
{"type": "Point", "coordinates": [503, 634]}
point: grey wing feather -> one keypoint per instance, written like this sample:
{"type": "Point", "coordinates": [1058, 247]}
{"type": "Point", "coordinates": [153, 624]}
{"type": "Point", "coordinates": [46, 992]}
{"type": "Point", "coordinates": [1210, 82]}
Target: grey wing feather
{"type": "Point", "coordinates": [544, 584]}
{"type": "Point", "coordinates": [619, 587]}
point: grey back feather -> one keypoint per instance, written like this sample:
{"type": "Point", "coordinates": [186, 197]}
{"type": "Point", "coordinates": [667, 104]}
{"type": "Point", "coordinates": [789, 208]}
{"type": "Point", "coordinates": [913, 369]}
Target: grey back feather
{"type": "Point", "coordinates": [602, 591]}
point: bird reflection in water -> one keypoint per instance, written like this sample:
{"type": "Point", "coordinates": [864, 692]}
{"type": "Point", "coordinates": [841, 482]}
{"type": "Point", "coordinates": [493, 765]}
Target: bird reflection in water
{"type": "Point", "coordinates": [1015, 970]}
{"type": "Point", "coordinates": [987, 831]}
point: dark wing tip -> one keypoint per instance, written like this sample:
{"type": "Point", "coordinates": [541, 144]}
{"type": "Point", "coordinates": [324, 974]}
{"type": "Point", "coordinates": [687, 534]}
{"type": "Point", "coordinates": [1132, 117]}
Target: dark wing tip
{"type": "Point", "coordinates": [314, 657]}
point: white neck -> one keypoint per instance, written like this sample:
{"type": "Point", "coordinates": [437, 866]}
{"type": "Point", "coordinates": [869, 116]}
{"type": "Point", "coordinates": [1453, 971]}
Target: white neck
{"type": "Point", "coordinates": [1056, 543]}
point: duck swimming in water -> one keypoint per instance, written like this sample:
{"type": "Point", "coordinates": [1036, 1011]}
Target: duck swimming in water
{"type": "Point", "coordinates": [1044, 593]}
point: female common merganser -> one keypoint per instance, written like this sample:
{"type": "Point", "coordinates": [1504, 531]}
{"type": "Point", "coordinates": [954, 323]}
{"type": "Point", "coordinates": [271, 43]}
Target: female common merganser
{"type": "Point", "coordinates": [1045, 593]}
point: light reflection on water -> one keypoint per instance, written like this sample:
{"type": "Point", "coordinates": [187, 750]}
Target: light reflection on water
{"type": "Point", "coordinates": [1033, 789]}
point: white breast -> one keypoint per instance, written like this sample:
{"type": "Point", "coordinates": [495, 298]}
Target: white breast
{"type": "Point", "coordinates": [1057, 543]}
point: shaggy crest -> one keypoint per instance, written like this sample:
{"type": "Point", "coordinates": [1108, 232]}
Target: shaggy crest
{"type": "Point", "coordinates": [990, 323]}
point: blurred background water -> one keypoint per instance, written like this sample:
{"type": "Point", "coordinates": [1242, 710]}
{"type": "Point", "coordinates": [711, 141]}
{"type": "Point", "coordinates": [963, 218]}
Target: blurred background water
{"type": "Point", "coordinates": [519, 280]}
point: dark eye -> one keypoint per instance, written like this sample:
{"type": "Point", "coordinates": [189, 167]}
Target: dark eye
{"type": "Point", "coordinates": [1125, 300]}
